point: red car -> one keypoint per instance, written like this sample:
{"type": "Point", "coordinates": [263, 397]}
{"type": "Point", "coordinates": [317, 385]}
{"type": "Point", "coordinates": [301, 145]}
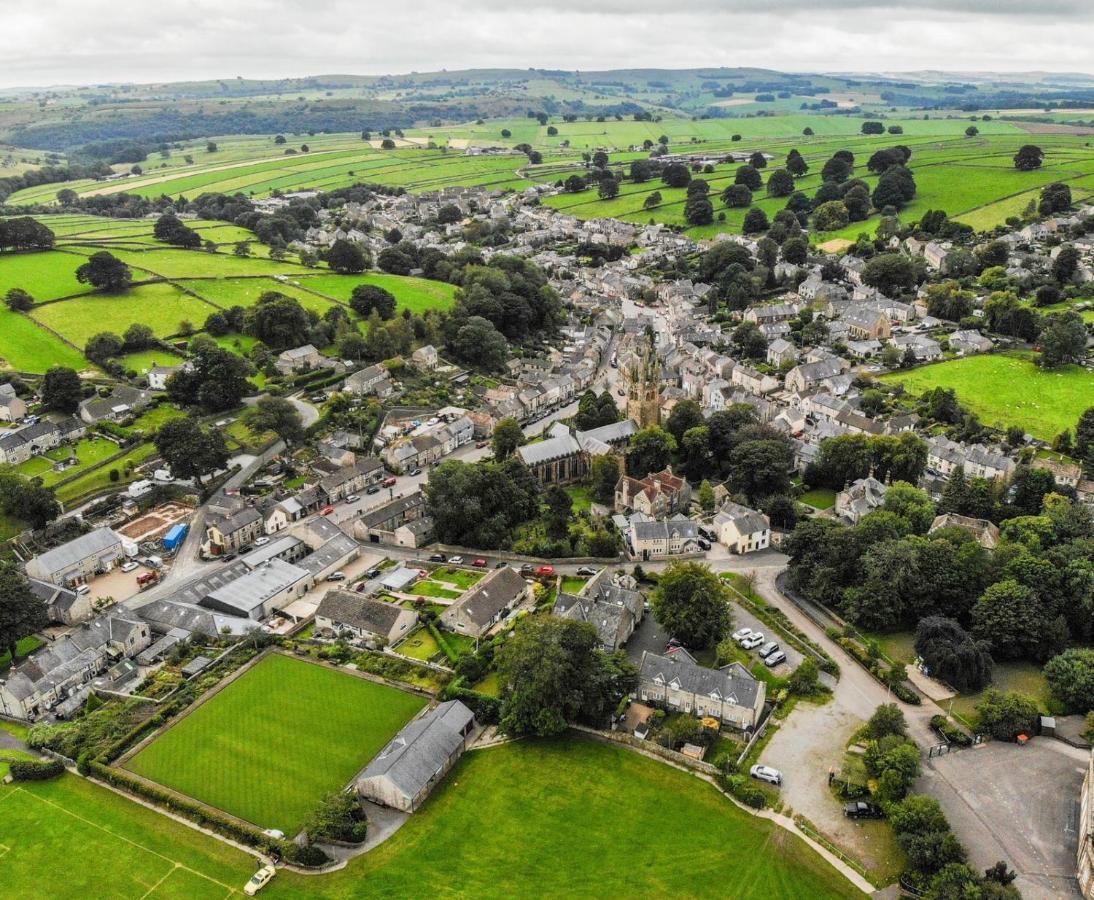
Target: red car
{"type": "Point", "coordinates": [545, 571]}
{"type": "Point", "coordinates": [479, 563]}
{"type": "Point", "coordinates": [327, 510]}
{"type": "Point", "coordinates": [389, 481]}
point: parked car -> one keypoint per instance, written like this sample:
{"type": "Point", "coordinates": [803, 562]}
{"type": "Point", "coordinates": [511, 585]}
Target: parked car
{"type": "Point", "coordinates": [456, 560]}
{"type": "Point", "coordinates": [130, 566]}
{"type": "Point", "coordinates": [336, 576]}
{"type": "Point", "coordinates": [372, 573]}
{"type": "Point", "coordinates": [479, 563]}
{"type": "Point", "coordinates": [766, 773]}
{"type": "Point", "coordinates": [389, 481]}
{"type": "Point", "coordinates": [437, 557]}
{"type": "Point", "coordinates": [767, 649]}
{"type": "Point", "coordinates": [753, 641]}
{"type": "Point", "coordinates": [414, 471]}
{"type": "Point", "coordinates": [327, 510]}
{"type": "Point", "coordinates": [860, 809]}
{"type": "Point", "coordinates": [741, 634]}
{"type": "Point", "coordinates": [353, 498]}
{"type": "Point", "coordinates": [586, 570]}
{"type": "Point", "coordinates": [83, 589]}
{"type": "Point", "coordinates": [259, 880]}
{"type": "Point", "coordinates": [545, 571]}
{"type": "Point", "coordinates": [500, 564]}
{"type": "Point", "coordinates": [372, 489]}
{"type": "Point", "coordinates": [774, 659]}
{"type": "Point", "coordinates": [704, 544]}
{"type": "Point", "coordinates": [480, 444]}
{"type": "Point", "coordinates": [262, 541]}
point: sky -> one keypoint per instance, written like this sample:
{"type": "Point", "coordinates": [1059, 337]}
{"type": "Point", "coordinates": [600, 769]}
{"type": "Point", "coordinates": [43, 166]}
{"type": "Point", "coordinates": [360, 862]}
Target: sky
{"type": "Point", "coordinates": [95, 41]}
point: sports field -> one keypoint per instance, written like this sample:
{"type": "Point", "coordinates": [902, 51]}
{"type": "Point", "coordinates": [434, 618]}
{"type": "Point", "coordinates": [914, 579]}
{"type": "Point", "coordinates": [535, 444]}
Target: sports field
{"type": "Point", "coordinates": [1008, 389]}
{"type": "Point", "coordinates": [274, 742]}
{"type": "Point", "coordinates": [557, 819]}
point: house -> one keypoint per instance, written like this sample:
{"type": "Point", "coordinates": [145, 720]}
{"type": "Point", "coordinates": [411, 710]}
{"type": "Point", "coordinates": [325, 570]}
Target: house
{"type": "Point", "coordinates": [968, 341]}
{"type": "Point", "coordinates": [656, 540]}
{"type": "Point", "coordinates": [679, 684]}
{"type": "Point", "coordinates": [985, 532]}
{"type": "Point", "coordinates": [658, 495]}
{"type": "Point", "coordinates": [21, 444]}
{"type": "Point", "coordinates": [406, 770]}
{"type": "Point", "coordinates": [807, 375]}
{"type": "Point", "coordinates": [349, 614]}
{"type": "Point", "coordinates": [864, 323]}
{"type": "Point", "coordinates": [741, 529]}
{"type": "Point", "coordinates": [978, 461]}
{"type": "Point", "coordinates": [61, 672]}
{"type": "Point", "coordinates": [351, 479]}
{"type": "Point", "coordinates": [860, 498]}
{"type": "Point", "coordinates": [486, 603]}
{"type": "Point", "coordinates": [124, 401]}
{"type": "Point", "coordinates": [425, 357]}
{"type": "Point", "coordinates": [79, 560]}
{"type": "Point", "coordinates": [1066, 474]}
{"type": "Point", "coordinates": [158, 375]}
{"type": "Point", "coordinates": [281, 514]}
{"type": "Point", "coordinates": [380, 523]}
{"type": "Point", "coordinates": [12, 407]}
{"type": "Point", "coordinates": [230, 524]}
{"type": "Point", "coordinates": [613, 607]}
{"type": "Point", "coordinates": [372, 380]}
{"type": "Point", "coordinates": [781, 351]}
{"type": "Point", "coordinates": [298, 359]}
{"type": "Point", "coordinates": [63, 604]}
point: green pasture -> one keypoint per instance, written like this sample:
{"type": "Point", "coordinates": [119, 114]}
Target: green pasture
{"type": "Point", "coordinates": [415, 294]}
{"type": "Point", "coordinates": [1006, 389]}
{"type": "Point", "coordinates": [45, 275]}
{"type": "Point", "coordinates": [271, 744]}
{"type": "Point", "coordinates": [88, 451]}
{"type": "Point", "coordinates": [27, 347]}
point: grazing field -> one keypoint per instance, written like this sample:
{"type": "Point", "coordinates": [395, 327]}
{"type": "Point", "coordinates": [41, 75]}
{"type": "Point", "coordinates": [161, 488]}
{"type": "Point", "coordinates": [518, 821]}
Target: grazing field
{"type": "Point", "coordinates": [26, 347]}
{"type": "Point", "coordinates": [1008, 389]}
{"type": "Point", "coordinates": [274, 742]}
{"type": "Point", "coordinates": [45, 275]}
{"type": "Point", "coordinates": [415, 294]}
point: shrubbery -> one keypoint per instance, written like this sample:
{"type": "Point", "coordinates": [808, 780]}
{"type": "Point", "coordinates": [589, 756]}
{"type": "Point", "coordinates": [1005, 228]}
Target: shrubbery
{"type": "Point", "coordinates": [338, 818]}
{"type": "Point", "coordinates": [36, 769]}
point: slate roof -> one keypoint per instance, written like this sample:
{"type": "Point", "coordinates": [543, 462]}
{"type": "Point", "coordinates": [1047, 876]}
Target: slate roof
{"type": "Point", "coordinates": [350, 608]}
{"type": "Point", "coordinates": [746, 521]}
{"type": "Point", "coordinates": [101, 540]}
{"type": "Point", "coordinates": [487, 598]}
{"type": "Point", "coordinates": [681, 672]}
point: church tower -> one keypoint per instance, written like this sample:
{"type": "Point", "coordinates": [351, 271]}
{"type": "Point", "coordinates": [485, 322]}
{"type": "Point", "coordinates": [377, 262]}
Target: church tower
{"type": "Point", "coordinates": [643, 378]}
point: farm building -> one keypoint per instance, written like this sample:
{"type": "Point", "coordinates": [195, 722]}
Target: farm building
{"type": "Point", "coordinates": [80, 559]}
{"type": "Point", "coordinates": [406, 770]}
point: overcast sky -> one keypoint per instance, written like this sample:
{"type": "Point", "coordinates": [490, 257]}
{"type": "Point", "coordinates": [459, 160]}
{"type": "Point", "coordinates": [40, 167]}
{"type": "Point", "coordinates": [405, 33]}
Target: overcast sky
{"type": "Point", "coordinates": [89, 41]}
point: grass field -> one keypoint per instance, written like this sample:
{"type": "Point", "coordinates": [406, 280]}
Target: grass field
{"type": "Point", "coordinates": [500, 822]}
{"type": "Point", "coordinates": [274, 742]}
{"type": "Point", "coordinates": [88, 451]}
{"type": "Point", "coordinates": [1022, 677]}
{"type": "Point", "coordinates": [415, 294]}
{"type": "Point", "coordinates": [99, 479]}
{"type": "Point", "coordinates": [819, 498]}
{"type": "Point", "coordinates": [1008, 389]}
{"type": "Point", "coordinates": [26, 347]}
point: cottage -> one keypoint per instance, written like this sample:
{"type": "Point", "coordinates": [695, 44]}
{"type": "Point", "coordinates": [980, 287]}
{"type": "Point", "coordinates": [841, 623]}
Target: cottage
{"type": "Point", "coordinates": [807, 375]}
{"type": "Point", "coordinates": [12, 407]}
{"type": "Point", "coordinates": [348, 614]}
{"type": "Point", "coordinates": [124, 401]}
{"type": "Point", "coordinates": [781, 351]}
{"type": "Point", "coordinates": [860, 498]}
{"type": "Point", "coordinates": [613, 607]}
{"type": "Point", "coordinates": [741, 529]}
{"type": "Point", "coordinates": [406, 770]}
{"type": "Point", "coordinates": [656, 540]}
{"type": "Point", "coordinates": [426, 357]}
{"type": "Point", "coordinates": [486, 603]}
{"type": "Point", "coordinates": [230, 525]}
{"type": "Point", "coordinates": [374, 380]}
{"type": "Point", "coordinates": [677, 682]}
{"type": "Point", "coordinates": [298, 359]}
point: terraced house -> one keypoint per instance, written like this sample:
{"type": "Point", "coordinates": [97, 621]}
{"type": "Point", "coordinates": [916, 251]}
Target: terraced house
{"type": "Point", "coordinates": [678, 683]}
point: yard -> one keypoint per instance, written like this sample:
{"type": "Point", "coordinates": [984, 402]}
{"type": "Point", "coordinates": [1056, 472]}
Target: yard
{"type": "Point", "coordinates": [462, 578]}
{"type": "Point", "coordinates": [1006, 389]}
{"type": "Point", "coordinates": [819, 498]}
{"type": "Point", "coordinates": [433, 589]}
{"type": "Point", "coordinates": [274, 742]}
{"type": "Point", "coordinates": [1025, 678]}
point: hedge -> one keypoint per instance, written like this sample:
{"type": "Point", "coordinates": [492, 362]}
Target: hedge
{"type": "Point", "coordinates": [949, 731]}
{"type": "Point", "coordinates": [487, 709]}
{"type": "Point", "coordinates": [442, 642]}
{"type": "Point", "coordinates": [36, 770]}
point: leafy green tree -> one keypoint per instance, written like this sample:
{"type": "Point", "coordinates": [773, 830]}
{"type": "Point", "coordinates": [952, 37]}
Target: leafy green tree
{"type": "Point", "coordinates": [480, 504]}
{"type": "Point", "coordinates": [1063, 340]}
{"type": "Point", "coordinates": [216, 379]}
{"type": "Point", "coordinates": [103, 347]}
{"type": "Point", "coordinates": [279, 415]}
{"type": "Point", "coordinates": [650, 450]}
{"type": "Point", "coordinates": [692, 603]}
{"type": "Point", "coordinates": [760, 468]}
{"type": "Point", "coordinates": [478, 343]}
{"type": "Point", "coordinates": [559, 510]}
{"type": "Point", "coordinates": [21, 612]}
{"type": "Point", "coordinates": [555, 673]}
{"type": "Point", "coordinates": [706, 494]}
{"type": "Point", "coordinates": [106, 272]}
{"type": "Point", "coordinates": [737, 195]}
{"type": "Point", "coordinates": [172, 230]}
{"type": "Point", "coordinates": [890, 273]}
{"type": "Point", "coordinates": [749, 177]}
{"type": "Point", "coordinates": [18, 300]}
{"type": "Point", "coordinates": [685, 414]}
{"type": "Point", "coordinates": [508, 435]}
{"type": "Point", "coordinates": [189, 450]}
{"type": "Point", "coordinates": [603, 477]}
{"type": "Point", "coordinates": [1028, 158]}
{"type": "Point", "coordinates": [1012, 618]}
{"type": "Point", "coordinates": [1005, 716]}
{"type": "Point", "coordinates": [831, 216]}
{"type": "Point", "coordinates": [952, 654]}
{"type": "Point", "coordinates": [1070, 677]}
{"type": "Point", "coordinates": [780, 183]}
{"type": "Point", "coordinates": [755, 221]}
{"type": "Point", "coordinates": [279, 321]}
{"type": "Point", "coordinates": [368, 297]}
{"type": "Point", "coordinates": [886, 720]}
{"type": "Point", "coordinates": [61, 390]}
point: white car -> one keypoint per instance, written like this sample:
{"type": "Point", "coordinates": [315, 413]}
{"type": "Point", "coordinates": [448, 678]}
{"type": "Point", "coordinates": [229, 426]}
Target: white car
{"type": "Point", "coordinates": [766, 773]}
{"type": "Point", "coordinates": [262, 541]}
{"type": "Point", "coordinates": [456, 560]}
{"type": "Point", "coordinates": [774, 659]}
{"type": "Point", "coordinates": [742, 634]}
{"type": "Point", "coordinates": [259, 880]}
{"type": "Point", "coordinates": [130, 566]}
{"type": "Point", "coordinates": [753, 640]}
{"type": "Point", "coordinates": [353, 498]}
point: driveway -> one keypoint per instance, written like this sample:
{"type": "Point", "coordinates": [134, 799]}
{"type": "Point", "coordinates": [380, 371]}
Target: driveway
{"type": "Point", "coordinates": [1015, 803]}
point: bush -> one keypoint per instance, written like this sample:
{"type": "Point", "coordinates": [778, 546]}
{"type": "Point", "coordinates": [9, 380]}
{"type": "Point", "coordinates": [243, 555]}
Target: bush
{"type": "Point", "coordinates": [949, 731]}
{"type": "Point", "coordinates": [35, 769]}
{"type": "Point", "coordinates": [1005, 716]}
{"type": "Point", "coordinates": [338, 818]}
{"type": "Point", "coordinates": [745, 790]}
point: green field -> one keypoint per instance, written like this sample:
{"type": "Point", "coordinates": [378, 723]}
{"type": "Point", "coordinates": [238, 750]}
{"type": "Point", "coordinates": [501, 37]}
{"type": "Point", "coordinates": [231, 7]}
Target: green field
{"type": "Point", "coordinates": [274, 742]}
{"type": "Point", "coordinates": [548, 814]}
{"type": "Point", "coordinates": [415, 294]}
{"type": "Point", "coordinates": [99, 479]}
{"type": "Point", "coordinates": [26, 347]}
{"type": "Point", "coordinates": [88, 451]}
{"type": "Point", "coordinates": [1008, 389]}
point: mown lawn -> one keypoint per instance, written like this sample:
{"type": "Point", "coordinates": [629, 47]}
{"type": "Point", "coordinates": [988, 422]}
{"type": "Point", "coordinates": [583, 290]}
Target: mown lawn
{"type": "Point", "coordinates": [88, 451]}
{"type": "Point", "coordinates": [433, 589]}
{"type": "Point", "coordinates": [100, 479]}
{"type": "Point", "coordinates": [1006, 389]}
{"type": "Point", "coordinates": [1022, 677]}
{"type": "Point", "coordinates": [419, 644]}
{"type": "Point", "coordinates": [546, 818]}
{"type": "Point", "coordinates": [274, 742]}
{"type": "Point", "coordinates": [415, 294]}
{"type": "Point", "coordinates": [819, 498]}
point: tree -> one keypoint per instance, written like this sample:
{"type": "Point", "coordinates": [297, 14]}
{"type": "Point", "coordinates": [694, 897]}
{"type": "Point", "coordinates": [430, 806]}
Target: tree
{"type": "Point", "coordinates": [280, 416]}
{"type": "Point", "coordinates": [692, 603]}
{"type": "Point", "coordinates": [216, 379]}
{"type": "Point", "coordinates": [346, 258]}
{"type": "Point", "coordinates": [106, 272]}
{"type": "Point", "coordinates": [685, 414]}
{"type": "Point", "coordinates": [755, 221]}
{"type": "Point", "coordinates": [698, 210]}
{"type": "Point", "coordinates": [508, 435]}
{"type": "Point", "coordinates": [804, 681]}
{"type": "Point", "coordinates": [1028, 158]}
{"type": "Point", "coordinates": [1063, 340]}
{"type": "Point", "coordinates": [972, 131]}
{"type": "Point", "coordinates": [480, 504]}
{"type": "Point", "coordinates": [189, 450]}
{"type": "Point", "coordinates": [1070, 677]}
{"type": "Point", "coordinates": [103, 347]}
{"type": "Point", "coordinates": [1084, 438]}
{"type": "Point", "coordinates": [749, 341]}
{"type": "Point", "coordinates": [757, 160]}
{"type": "Point", "coordinates": [61, 390]}
{"type": "Point", "coordinates": [278, 321]}
{"type": "Point", "coordinates": [759, 468]}
{"type": "Point", "coordinates": [1012, 618]}
{"type": "Point", "coordinates": [21, 612]}
{"type": "Point", "coordinates": [749, 177]}
{"type": "Point", "coordinates": [559, 509]}
{"type": "Point", "coordinates": [368, 297]}
{"type": "Point", "coordinates": [1005, 716]}
{"type": "Point", "coordinates": [831, 216]}
{"type": "Point", "coordinates": [676, 175]}
{"type": "Point", "coordinates": [137, 337]}
{"type": "Point", "coordinates": [555, 673]}
{"type": "Point", "coordinates": [873, 127]}
{"type": "Point", "coordinates": [886, 720]}
{"type": "Point", "coordinates": [18, 300]}
{"type": "Point", "coordinates": [652, 200]}
{"type": "Point", "coordinates": [737, 195]}
{"type": "Point", "coordinates": [890, 273]}
{"type": "Point", "coordinates": [952, 654]}
{"type": "Point", "coordinates": [795, 250]}
{"type": "Point", "coordinates": [477, 342]}
{"type": "Point", "coordinates": [603, 477]}
{"type": "Point", "coordinates": [575, 184]}
{"type": "Point", "coordinates": [780, 183]}
{"type": "Point", "coordinates": [706, 496]}
{"type": "Point", "coordinates": [170, 229]}
{"type": "Point", "coordinates": [650, 450]}
{"type": "Point", "coordinates": [796, 164]}
{"type": "Point", "coordinates": [608, 189]}
{"type": "Point", "coordinates": [836, 169]}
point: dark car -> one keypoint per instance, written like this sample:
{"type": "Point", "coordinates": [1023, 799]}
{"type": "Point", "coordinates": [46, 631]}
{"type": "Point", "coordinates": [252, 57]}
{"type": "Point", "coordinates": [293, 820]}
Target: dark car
{"type": "Point", "coordinates": [372, 573]}
{"type": "Point", "coordinates": [373, 489]}
{"type": "Point", "coordinates": [527, 569]}
{"type": "Point", "coordinates": [860, 809]}
{"type": "Point", "coordinates": [705, 544]}
{"type": "Point", "coordinates": [437, 557]}
{"type": "Point", "coordinates": [501, 564]}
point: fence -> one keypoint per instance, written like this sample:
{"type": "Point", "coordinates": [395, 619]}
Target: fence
{"type": "Point", "coordinates": [648, 747]}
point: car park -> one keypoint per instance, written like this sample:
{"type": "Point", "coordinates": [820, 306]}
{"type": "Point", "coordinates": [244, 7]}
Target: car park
{"type": "Point", "coordinates": [767, 649]}
{"type": "Point", "coordinates": [860, 809]}
{"type": "Point", "coordinates": [130, 566]}
{"type": "Point", "coordinates": [766, 773]}
{"type": "Point", "coordinates": [753, 641]}
{"type": "Point", "coordinates": [742, 634]}
{"type": "Point", "coordinates": [775, 659]}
